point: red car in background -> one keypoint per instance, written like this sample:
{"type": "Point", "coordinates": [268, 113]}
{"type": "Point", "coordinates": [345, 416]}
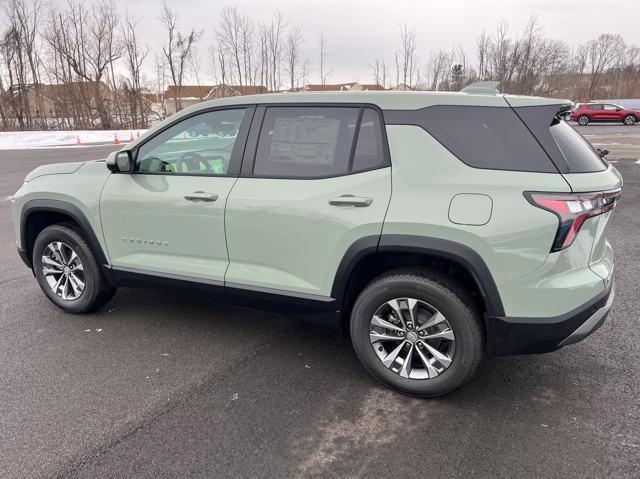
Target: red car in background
{"type": "Point", "coordinates": [588, 112]}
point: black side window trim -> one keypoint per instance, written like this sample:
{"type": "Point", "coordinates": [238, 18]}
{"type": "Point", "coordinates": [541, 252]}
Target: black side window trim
{"type": "Point", "coordinates": [251, 149]}
{"type": "Point", "coordinates": [238, 148]}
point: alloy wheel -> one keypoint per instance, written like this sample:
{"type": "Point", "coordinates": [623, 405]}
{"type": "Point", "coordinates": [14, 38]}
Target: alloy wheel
{"type": "Point", "coordinates": [63, 270]}
{"type": "Point", "coordinates": [412, 338]}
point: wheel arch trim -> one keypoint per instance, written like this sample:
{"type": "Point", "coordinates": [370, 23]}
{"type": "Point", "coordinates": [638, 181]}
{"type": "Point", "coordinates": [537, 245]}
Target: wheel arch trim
{"type": "Point", "coordinates": [434, 247]}
{"type": "Point", "coordinates": [67, 209]}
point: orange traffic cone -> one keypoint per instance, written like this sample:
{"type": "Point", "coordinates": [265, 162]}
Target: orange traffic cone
{"type": "Point", "coordinates": [78, 140]}
{"type": "Point", "coordinates": [115, 139]}
{"type": "Point", "coordinates": [131, 138]}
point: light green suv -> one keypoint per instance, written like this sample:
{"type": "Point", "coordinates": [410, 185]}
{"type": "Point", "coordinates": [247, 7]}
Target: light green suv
{"type": "Point", "coordinates": [435, 227]}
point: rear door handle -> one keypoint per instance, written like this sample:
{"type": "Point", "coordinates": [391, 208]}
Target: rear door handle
{"type": "Point", "coordinates": [350, 200]}
{"type": "Point", "coordinates": [201, 196]}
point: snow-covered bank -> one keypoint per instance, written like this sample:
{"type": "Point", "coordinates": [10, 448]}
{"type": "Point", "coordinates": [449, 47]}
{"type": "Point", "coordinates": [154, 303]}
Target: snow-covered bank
{"type": "Point", "coordinates": [19, 140]}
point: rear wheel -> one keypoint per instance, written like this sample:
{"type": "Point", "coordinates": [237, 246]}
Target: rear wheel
{"type": "Point", "coordinates": [68, 272]}
{"type": "Point", "coordinates": [583, 120]}
{"type": "Point", "coordinates": [629, 120]}
{"type": "Point", "coordinates": [417, 332]}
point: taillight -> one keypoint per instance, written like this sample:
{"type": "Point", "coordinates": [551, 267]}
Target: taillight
{"type": "Point", "coordinates": [572, 210]}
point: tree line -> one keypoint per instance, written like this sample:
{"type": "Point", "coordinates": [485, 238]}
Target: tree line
{"type": "Point", "coordinates": [83, 65]}
{"type": "Point", "coordinates": [527, 64]}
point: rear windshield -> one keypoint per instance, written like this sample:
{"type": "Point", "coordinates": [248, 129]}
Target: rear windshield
{"type": "Point", "coordinates": [569, 151]}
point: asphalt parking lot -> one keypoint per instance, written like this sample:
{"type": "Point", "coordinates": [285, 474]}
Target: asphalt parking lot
{"type": "Point", "coordinates": [155, 385]}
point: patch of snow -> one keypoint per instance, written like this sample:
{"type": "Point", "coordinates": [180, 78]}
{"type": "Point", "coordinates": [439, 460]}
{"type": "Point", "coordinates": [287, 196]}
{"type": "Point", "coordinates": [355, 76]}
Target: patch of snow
{"type": "Point", "coordinates": [20, 140]}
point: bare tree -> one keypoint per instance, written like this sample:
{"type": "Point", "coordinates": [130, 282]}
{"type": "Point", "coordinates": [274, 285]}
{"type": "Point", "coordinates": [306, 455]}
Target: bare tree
{"type": "Point", "coordinates": [235, 40]}
{"type": "Point", "coordinates": [177, 51]}
{"type": "Point", "coordinates": [324, 73]}
{"type": "Point", "coordinates": [293, 55]}
{"type": "Point", "coordinates": [376, 68]}
{"type": "Point", "coordinates": [212, 58]}
{"type": "Point", "coordinates": [160, 83]}
{"type": "Point", "coordinates": [439, 69]}
{"type": "Point", "coordinates": [483, 47]}
{"type": "Point", "coordinates": [135, 55]}
{"type": "Point", "coordinates": [274, 50]}
{"type": "Point", "coordinates": [13, 62]}
{"type": "Point", "coordinates": [528, 65]}
{"type": "Point", "coordinates": [194, 64]}
{"type": "Point", "coordinates": [379, 72]}
{"type": "Point", "coordinates": [86, 44]}
{"type": "Point", "coordinates": [222, 64]}
{"type": "Point", "coordinates": [24, 18]}
{"type": "Point", "coordinates": [602, 54]}
{"type": "Point", "coordinates": [406, 57]}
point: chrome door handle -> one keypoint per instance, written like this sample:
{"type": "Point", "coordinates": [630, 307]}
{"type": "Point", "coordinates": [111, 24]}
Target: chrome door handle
{"type": "Point", "coordinates": [350, 200]}
{"type": "Point", "coordinates": [201, 196]}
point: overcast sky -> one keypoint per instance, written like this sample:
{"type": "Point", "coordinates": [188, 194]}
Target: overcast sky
{"type": "Point", "coordinates": [356, 32]}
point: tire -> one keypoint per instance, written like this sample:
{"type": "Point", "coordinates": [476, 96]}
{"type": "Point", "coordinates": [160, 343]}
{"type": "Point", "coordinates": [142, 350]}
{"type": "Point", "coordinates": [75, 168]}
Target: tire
{"type": "Point", "coordinates": [583, 120]}
{"type": "Point", "coordinates": [95, 291]}
{"type": "Point", "coordinates": [629, 120]}
{"type": "Point", "coordinates": [432, 291]}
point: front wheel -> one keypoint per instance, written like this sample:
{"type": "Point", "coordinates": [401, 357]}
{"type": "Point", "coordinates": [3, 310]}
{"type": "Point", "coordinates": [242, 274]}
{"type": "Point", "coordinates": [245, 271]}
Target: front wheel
{"type": "Point", "coordinates": [583, 120]}
{"type": "Point", "coordinates": [629, 120]}
{"type": "Point", "coordinates": [67, 270]}
{"type": "Point", "coordinates": [417, 332]}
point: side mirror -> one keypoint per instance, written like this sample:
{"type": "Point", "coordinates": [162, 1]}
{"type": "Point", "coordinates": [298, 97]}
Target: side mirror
{"type": "Point", "coordinates": [604, 152]}
{"type": "Point", "coordinates": [120, 161]}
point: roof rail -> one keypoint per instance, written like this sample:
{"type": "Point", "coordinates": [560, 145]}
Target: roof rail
{"type": "Point", "coordinates": [483, 88]}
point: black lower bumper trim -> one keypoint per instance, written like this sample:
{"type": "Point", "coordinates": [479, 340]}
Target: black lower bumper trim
{"type": "Point", "coordinates": [508, 336]}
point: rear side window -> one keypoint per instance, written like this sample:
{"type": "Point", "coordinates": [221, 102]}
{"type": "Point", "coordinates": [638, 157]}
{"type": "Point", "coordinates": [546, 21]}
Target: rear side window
{"type": "Point", "coordinates": [369, 152]}
{"type": "Point", "coordinates": [482, 137]}
{"type": "Point", "coordinates": [566, 147]}
{"type": "Point", "coordinates": [595, 107]}
{"type": "Point", "coordinates": [305, 142]}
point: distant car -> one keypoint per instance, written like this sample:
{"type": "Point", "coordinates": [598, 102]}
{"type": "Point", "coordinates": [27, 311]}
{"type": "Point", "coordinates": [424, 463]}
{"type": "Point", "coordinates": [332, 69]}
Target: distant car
{"type": "Point", "coordinates": [605, 112]}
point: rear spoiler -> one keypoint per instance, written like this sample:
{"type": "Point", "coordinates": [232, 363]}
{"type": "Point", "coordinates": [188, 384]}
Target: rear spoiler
{"type": "Point", "coordinates": [482, 88]}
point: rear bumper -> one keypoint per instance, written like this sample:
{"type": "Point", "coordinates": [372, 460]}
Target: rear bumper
{"type": "Point", "coordinates": [508, 336]}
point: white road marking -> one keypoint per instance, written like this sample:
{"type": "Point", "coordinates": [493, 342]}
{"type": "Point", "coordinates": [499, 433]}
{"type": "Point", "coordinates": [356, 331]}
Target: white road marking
{"type": "Point", "coordinates": [638, 162]}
